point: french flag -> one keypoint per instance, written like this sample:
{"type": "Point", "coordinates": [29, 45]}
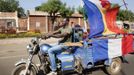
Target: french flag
{"type": "Point", "coordinates": [101, 23]}
{"type": "Point", "coordinates": [106, 48]}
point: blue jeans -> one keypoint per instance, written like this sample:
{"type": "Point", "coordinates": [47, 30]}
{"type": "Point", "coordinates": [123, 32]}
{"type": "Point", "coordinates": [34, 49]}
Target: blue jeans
{"type": "Point", "coordinates": [51, 52]}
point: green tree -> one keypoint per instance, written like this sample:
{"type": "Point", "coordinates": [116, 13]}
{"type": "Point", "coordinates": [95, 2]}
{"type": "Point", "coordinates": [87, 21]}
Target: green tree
{"type": "Point", "coordinates": [54, 8]}
{"type": "Point", "coordinates": [11, 6]}
{"type": "Point", "coordinates": [81, 11]}
{"type": "Point", "coordinates": [125, 15]}
{"type": "Point", "coordinates": [66, 11]}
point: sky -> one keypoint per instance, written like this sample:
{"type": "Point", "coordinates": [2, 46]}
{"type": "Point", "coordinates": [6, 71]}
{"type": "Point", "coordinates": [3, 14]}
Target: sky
{"type": "Point", "coordinates": [31, 4]}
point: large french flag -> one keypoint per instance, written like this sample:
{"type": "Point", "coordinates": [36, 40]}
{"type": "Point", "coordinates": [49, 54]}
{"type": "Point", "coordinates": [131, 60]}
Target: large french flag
{"type": "Point", "coordinates": [102, 22]}
{"type": "Point", "coordinates": [94, 18]}
{"type": "Point", "coordinates": [110, 48]}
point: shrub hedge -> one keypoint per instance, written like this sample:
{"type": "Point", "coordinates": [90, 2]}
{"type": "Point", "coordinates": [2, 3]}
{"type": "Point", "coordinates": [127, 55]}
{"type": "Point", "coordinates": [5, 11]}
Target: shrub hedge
{"type": "Point", "coordinates": [19, 35]}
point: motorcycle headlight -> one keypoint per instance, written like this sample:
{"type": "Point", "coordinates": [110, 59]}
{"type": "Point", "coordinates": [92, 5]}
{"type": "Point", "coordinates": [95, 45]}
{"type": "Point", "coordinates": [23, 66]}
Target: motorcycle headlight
{"type": "Point", "coordinates": [29, 48]}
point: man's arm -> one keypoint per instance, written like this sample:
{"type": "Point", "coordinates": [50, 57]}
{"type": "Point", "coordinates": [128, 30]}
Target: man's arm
{"type": "Point", "coordinates": [60, 35]}
{"type": "Point", "coordinates": [45, 36]}
{"type": "Point", "coordinates": [53, 33]}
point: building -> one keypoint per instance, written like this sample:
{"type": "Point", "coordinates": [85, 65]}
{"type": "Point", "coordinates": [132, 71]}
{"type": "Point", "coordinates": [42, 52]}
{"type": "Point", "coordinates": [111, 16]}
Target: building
{"type": "Point", "coordinates": [8, 20]}
{"type": "Point", "coordinates": [77, 19]}
{"type": "Point", "coordinates": [38, 20]}
{"type": "Point", "coordinates": [22, 24]}
{"type": "Point", "coordinates": [35, 21]}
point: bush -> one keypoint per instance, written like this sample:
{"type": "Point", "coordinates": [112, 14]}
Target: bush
{"type": "Point", "coordinates": [31, 34]}
{"type": "Point", "coordinates": [35, 31]}
{"type": "Point", "coordinates": [11, 36]}
{"type": "Point", "coordinates": [20, 35]}
{"type": "Point", "coordinates": [3, 35]}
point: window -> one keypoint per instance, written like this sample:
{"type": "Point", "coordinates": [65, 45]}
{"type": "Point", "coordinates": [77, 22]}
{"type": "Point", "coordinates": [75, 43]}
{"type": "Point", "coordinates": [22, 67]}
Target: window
{"type": "Point", "coordinates": [9, 24]}
{"type": "Point", "coordinates": [37, 24]}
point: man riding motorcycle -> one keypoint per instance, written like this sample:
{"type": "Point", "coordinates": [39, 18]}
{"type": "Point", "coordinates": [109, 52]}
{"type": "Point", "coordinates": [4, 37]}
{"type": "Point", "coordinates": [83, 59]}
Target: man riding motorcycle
{"type": "Point", "coordinates": [65, 33]}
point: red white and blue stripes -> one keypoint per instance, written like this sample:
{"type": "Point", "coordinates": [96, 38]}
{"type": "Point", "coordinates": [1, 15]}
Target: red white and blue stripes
{"type": "Point", "coordinates": [110, 48]}
{"type": "Point", "coordinates": [101, 18]}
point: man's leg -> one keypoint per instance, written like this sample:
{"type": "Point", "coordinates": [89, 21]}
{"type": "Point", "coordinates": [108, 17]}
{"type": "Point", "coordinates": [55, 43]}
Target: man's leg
{"type": "Point", "coordinates": [51, 52]}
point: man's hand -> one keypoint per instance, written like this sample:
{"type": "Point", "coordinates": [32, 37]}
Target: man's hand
{"type": "Point", "coordinates": [44, 36]}
{"type": "Point", "coordinates": [73, 44]}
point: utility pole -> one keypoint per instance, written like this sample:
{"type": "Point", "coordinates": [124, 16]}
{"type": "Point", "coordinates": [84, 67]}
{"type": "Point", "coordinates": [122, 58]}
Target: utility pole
{"type": "Point", "coordinates": [125, 4]}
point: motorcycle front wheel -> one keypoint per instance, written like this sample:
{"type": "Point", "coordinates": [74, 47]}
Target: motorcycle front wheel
{"type": "Point", "coordinates": [20, 70]}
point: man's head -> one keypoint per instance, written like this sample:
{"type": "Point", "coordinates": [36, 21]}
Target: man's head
{"type": "Point", "coordinates": [65, 22]}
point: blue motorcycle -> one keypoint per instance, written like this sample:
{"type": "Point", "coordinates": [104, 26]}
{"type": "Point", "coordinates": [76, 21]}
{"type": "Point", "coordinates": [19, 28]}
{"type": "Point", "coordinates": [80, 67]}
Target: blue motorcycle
{"type": "Point", "coordinates": [73, 59]}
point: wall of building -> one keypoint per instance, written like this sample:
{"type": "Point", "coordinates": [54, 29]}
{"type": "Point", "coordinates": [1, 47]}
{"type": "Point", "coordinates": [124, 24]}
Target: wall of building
{"type": "Point", "coordinates": [77, 20]}
{"type": "Point", "coordinates": [8, 20]}
{"type": "Point", "coordinates": [37, 23]}
{"type": "Point", "coordinates": [22, 24]}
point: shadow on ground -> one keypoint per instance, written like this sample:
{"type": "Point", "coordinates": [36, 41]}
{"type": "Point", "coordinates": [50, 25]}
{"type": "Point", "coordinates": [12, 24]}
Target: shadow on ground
{"type": "Point", "coordinates": [85, 72]}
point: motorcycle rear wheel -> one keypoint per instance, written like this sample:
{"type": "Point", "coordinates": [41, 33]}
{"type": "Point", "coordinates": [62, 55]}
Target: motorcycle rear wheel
{"type": "Point", "coordinates": [19, 70]}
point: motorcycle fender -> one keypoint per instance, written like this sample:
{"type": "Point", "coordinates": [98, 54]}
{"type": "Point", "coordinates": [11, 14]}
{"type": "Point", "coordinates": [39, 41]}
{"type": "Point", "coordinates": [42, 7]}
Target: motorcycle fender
{"type": "Point", "coordinates": [108, 62]}
{"type": "Point", "coordinates": [23, 61]}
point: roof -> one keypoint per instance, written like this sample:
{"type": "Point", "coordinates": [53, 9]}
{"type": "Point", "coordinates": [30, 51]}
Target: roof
{"type": "Point", "coordinates": [41, 13]}
{"type": "Point", "coordinates": [37, 13]}
{"type": "Point", "coordinates": [8, 14]}
{"type": "Point", "coordinates": [76, 15]}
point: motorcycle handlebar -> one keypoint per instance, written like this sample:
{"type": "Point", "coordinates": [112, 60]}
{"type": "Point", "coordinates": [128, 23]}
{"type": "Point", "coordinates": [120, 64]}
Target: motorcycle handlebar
{"type": "Point", "coordinates": [35, 41]}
